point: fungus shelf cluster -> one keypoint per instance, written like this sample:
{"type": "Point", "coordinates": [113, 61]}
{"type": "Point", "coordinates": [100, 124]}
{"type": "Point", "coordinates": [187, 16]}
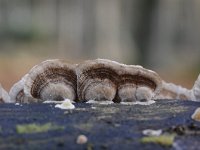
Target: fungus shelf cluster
{"type": "Point", "coordinates": [97, 80]}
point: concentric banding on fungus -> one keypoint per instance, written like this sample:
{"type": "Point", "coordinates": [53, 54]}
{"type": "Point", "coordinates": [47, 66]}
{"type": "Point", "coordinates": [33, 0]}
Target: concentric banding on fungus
{"type": "Point", "coordinates": [52, 80]}
{"type": "Point", "coordinates": [97, 80]}
{"type": "Point", "coordinates": [137, 83]}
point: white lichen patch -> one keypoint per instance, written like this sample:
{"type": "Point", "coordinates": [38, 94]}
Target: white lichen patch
{"type": "Point", "coordinates": [151, 132]}
{"type": "Point", "coordinates": [99, 102]}
{"type": "Point", "coordinates": [66, 104]}
{"type": "Point", "coordinates": [55, 102]}
{"type": "Point", "coordinates": [81, 109]}
{"type": "Point", "coordinates": [196, 114]}
{"type": "Point", "coordinates": [52, 102]}
{"type": "Point", "coordinates": [149, 102]}
{"type": "Point", "coordinates": [18, 104]}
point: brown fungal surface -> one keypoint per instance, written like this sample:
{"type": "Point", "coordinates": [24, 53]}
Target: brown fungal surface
{"type": "Point", "coordinates": [97, 80]}
{"type": "Point", "coordinates": [137, 83]}
{"type": "Point", "coordinates": [51, 80]}
{"type": "Point", "coordinates": [103, 79]}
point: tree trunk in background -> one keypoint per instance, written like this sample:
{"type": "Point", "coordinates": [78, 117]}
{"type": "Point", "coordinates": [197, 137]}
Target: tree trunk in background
{"type": "Point", "coordinates": [175, 34]}
{"type": "Point", "coordinates": [154, 33]}
{"type": "Point", "coordinates": [142, 31]}
{"type": "Point", "coordinates": [3, 14]}
{"type": "Point", "coordinates": [3, 20]}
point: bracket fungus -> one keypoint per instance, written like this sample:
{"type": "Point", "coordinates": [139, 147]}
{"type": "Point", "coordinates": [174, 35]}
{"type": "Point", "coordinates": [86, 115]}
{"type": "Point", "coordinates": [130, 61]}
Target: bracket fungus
{"type": "Point", "coordinates": [172, 91]}
{"type": "Point", "coordinates": [4, 96]}
{"type": "Point", "coordinates": [17, 92]}
{"type": "Point", "coordinates": [137, 83]}
{"type": "Point", "coordinates": [98, 80]}
{"type": "Point", "coordinates": [51, 80]}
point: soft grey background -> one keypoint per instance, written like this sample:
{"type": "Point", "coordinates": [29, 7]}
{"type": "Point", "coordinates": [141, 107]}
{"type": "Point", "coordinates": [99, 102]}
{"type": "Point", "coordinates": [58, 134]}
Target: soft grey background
{"type": "Point", "coordinates": [162, 35]}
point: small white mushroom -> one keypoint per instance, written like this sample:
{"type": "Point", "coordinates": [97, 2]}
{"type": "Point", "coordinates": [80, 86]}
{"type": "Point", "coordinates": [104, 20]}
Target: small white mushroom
{"type": "Point", "coordinates": [4, 97]}
{"type": "Point", "coordinates": [81, 139]}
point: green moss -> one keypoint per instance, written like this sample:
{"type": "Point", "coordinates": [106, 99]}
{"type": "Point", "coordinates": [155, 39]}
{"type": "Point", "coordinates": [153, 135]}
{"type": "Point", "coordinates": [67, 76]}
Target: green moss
{"type": "Point", "coordinates": [84, 126]}
{"type": "Point", "coordinates": [36, 128]}
{"type": "Point", "coordinates": [165, 140]}
{"type": "Point", "coordinates": [90, 146]}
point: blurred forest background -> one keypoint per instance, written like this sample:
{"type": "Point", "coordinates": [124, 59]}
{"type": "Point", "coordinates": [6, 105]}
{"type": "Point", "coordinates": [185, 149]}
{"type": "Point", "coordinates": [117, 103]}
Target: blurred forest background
{"type": "Point", "coordinates": [162, 35]}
